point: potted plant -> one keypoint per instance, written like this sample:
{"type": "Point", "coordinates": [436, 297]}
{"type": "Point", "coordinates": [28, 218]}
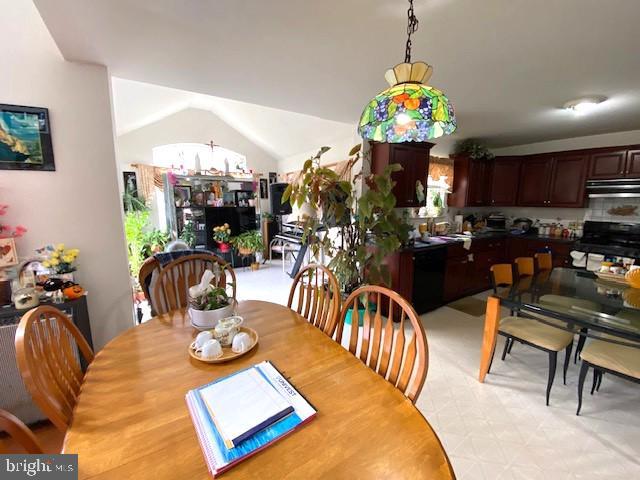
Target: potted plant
{"type": "Point", "coordinates": [368, 228]}
{"type": "Point", "coordinates": [222, 234]}
{"type": "Point", "coordinates": [249, 243]}
{"type": "Point", "coordinates": [209, 306]}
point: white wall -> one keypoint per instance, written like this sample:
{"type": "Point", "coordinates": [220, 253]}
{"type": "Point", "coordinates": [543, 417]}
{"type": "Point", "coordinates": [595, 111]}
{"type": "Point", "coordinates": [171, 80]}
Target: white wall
{"type": "Point", "coordinates": [339, 152]}
{"type": "Point", "coordinates": [577, 143]}
{"type": "Point", "coordinates": [78, 204]}
{"type": "Point", "coordinates": [197, 126]}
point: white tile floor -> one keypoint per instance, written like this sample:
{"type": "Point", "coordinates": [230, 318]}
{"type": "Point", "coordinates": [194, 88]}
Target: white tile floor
{"type": "Point", "coordinates": [502, 429]}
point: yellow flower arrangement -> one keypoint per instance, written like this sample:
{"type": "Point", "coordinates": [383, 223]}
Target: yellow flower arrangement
{"type": "Point", "coordinates": [222, 233]}
{"type": "Point", "coordinates": [60, 259]}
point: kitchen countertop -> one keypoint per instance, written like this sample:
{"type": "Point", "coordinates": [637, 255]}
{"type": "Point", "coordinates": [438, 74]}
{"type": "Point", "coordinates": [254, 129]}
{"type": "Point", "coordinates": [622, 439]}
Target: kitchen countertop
{"type": "Point", "coordinates": [444, 240]}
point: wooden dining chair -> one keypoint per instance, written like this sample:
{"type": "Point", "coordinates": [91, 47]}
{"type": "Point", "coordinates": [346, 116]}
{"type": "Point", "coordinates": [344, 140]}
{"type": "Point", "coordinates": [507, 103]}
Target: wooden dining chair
{"type": "Point", "coordinates": [48, 349]}
{"type": "Point", "coordinates": [382, 347]}
{"type": "Point", "coordinates": [543, 261]}
{"type": "Point", "coordinates": [316, 293]}
{"type": "Point", "coordinates": [532, 332]}
{"type": "Point", "coordinates": [19, 432]}
{"type": "Point", "coordinates": [170, 291]}
{"type": "Point", "coordinates": [524, 266]}
{"type": "Point", "coordinates": [149, 268]}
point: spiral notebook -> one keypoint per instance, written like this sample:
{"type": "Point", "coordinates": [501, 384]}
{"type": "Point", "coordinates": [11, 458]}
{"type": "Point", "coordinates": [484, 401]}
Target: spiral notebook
{"type": "Point", "coordinates": [272, 391]}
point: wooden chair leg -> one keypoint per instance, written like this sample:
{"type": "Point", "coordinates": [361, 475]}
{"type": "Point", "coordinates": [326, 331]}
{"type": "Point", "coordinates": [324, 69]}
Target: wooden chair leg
{"type": "Point", "coordinates": [553, 359]}
{"type": "Point", "coordinates": [583, 374]}
{"type": "Point", "coordinates": [567, 359]}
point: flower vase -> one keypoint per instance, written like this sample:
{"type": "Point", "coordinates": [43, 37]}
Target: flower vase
{"type": "Point", "coordinates": [224, 247]}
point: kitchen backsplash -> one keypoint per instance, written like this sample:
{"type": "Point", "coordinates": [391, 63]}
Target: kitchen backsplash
{"type": "Point", "coordinates": [625, 210]}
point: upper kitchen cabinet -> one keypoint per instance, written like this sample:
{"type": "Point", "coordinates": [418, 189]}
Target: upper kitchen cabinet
{"type": "Point", "coordinates": [633, 164]}
{"type": "Point", "coordinates": [505, 176]}
{"type": "Point", "coordinates": [553, 180]}
{"type": "Point", "coordinates": [608, 164]}
{"type": "Point", "coordinates": [535, 177]}
{"type": "Point", "coordinates": [471, 182]}
{"type": "Point", "coordinates": [568, 181]}
{"type": "Point", "coordinates": [414, 160]}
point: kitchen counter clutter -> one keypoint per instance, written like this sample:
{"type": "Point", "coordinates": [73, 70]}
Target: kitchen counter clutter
{"type": "Point", "coordinates": [441, 269]}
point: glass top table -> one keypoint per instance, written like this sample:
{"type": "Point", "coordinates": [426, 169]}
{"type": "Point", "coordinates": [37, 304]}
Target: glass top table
{"type": "Point", "coordinates": [574, 300]}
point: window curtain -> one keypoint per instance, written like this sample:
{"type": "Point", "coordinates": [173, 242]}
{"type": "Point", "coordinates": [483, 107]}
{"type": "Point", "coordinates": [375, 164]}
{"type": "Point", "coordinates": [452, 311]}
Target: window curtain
{"type": "Point", "coordinates": [149, 177]}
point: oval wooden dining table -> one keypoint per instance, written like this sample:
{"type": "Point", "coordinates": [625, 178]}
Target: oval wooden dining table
{"type": "Point", "coordinates": [131, 420]}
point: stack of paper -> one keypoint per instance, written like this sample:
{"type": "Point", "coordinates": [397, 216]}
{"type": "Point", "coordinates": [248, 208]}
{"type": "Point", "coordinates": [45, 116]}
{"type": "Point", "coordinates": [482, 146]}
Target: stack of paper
{"type": "Point", "coordinates": [238, 415]}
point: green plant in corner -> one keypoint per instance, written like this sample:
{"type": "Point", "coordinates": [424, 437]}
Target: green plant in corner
{"type": "Point", "coordinates": [368, 227]}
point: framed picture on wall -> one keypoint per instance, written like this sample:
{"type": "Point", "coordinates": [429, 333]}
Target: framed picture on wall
{"type": "Point", "coordinates": [8, 254]}
{"type": "Point", "coordinates": [25, 139]}
{"type": "Point", "coordinates": [273, 177]}
{"type": "Point", "coordinates": [264, 188]}
{"type": "Point", "coordinates": [182, 195]}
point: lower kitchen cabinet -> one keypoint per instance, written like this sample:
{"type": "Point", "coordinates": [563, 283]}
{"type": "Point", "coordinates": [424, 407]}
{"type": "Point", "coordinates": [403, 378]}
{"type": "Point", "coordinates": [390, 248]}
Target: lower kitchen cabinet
{"type": "Point", "coordinates": [526, 247]}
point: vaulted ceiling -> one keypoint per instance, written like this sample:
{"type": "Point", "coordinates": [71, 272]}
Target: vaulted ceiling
{"type": "Point", "coordinates": [507, 65]}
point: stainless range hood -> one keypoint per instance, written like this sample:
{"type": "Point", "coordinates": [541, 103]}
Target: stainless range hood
{"type": "Point", "coordinates": [619, 188]}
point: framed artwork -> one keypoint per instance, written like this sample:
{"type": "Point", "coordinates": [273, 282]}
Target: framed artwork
{"type": "Point", "coordinates": [182, 195]}
{"type": "Point", "coordinates": [8, 254]}
{"type": "Point", "coordinates": [264, 188]}
{"type": "Point", "coordinates": [130, 183]}
{"type": "Point", "coordinates": [273, 177]}
{"type": "Point", "coordinates": [25, 139]}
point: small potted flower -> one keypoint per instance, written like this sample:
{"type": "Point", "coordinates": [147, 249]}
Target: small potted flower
{"type": "Point", "coordinates": [61, 261]}
{"type": "Point", "coordinates": [222, 234]}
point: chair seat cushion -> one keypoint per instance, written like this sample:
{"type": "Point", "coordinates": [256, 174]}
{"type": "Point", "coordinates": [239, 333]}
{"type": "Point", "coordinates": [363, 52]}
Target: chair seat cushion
{"type": "Point", "coordinates": [536, 333]}
{"type": "Point", "coordinates": [618, 358]}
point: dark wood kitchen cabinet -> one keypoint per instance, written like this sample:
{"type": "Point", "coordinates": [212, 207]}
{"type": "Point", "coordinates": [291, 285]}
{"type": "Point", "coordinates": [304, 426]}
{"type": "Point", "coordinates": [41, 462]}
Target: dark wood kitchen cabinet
{"type": "Point", "coordinates": [633, 164]}
{"type": "Point", "coordinates": [456, 277]}
{"type": "Point", "coordinates": [535, 176]}
{"type": "Point", "coordinates": [414, 160]}
{"type": "Point", "coordinates": [553, 180]}
{"type": "Point", "coordinates": [505, 175]}
{"type": "Point", "coordinates": [471, 182]}
{"type": "Point", "coordinates": [607, 164]}
{"type": "Point", "coordinates": [568, 181]}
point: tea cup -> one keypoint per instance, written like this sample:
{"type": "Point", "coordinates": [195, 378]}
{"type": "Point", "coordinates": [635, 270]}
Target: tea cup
{"type": "Point", "coordinates": [201, 339]}
{"type": "Point", "coordinates": [211, 349]}
{"type": "Point", "coordinates": [241, 342]}
{"type": "Point", "coordinates": [226, 329]}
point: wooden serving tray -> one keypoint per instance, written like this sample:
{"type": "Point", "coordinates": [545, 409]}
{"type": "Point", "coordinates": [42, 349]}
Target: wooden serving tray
{"type": "Point", "coordinates": [227, 353]}
{"type": "Point", "coordinates": [612, 277]}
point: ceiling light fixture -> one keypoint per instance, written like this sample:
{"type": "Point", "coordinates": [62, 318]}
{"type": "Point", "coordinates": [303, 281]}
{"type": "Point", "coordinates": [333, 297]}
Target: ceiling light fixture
{"type": "Point", "coordinates": [409, 110]}
{"type": "Point", "coordinates": [582, 106]}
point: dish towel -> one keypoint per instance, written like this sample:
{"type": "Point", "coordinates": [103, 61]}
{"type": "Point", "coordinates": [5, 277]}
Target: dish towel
{"type": "Point", "coordinates": [594, 261]}
{"type": "Point", "coordinates": [579, 258]}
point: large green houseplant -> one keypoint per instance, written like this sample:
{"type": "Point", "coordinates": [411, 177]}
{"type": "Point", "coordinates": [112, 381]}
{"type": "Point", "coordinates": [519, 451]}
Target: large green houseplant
{"type": "Point", "coordinates": [368, 227]}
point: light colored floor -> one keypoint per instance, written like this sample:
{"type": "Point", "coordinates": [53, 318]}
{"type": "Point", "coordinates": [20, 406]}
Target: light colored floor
{"type": "Point", "coordinates": [502, 429]}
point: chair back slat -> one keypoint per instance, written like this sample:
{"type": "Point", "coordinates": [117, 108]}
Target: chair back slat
{"type": "Point", "coordinates": [171, 288]}
{"type": "Point", "coordinates": [383, 346]}
{"type": "Point", "coordinates": [48, 349]}
{"type": "Point", "coordinates": [544, 261]}
{"type": "Point", "coordinates": [501, 274]}
{"type": "Point", "coordinates": [19, 432]}
{"type": "Point", "coordinates": [315, 294]}
{"type": "Point", "coordinates": [524, 266]}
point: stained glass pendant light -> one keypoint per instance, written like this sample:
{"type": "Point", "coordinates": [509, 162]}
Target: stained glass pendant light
{"type": "Point", "coordinates": [409, 110]}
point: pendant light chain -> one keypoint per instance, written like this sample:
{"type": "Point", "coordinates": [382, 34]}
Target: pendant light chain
{"type": "Point", "coordinates": [412, 26]}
